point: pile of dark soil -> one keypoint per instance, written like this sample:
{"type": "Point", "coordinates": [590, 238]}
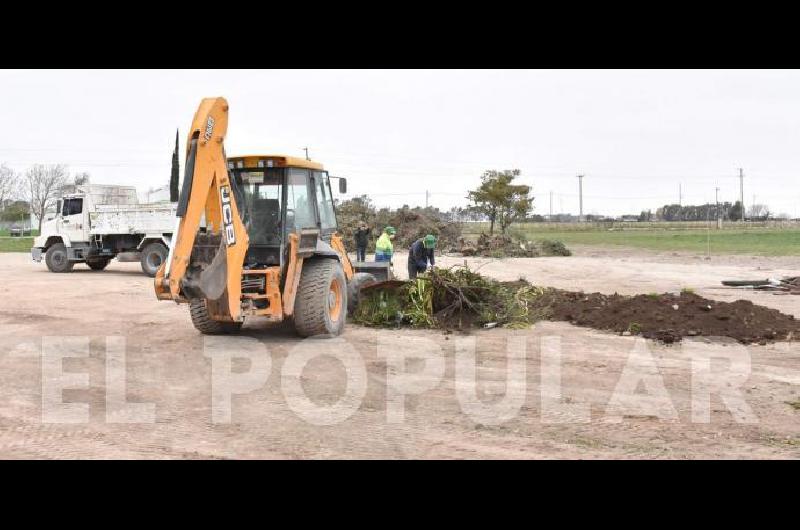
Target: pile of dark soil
{"type": "Point", "coordinates": [458, 298]}
{"type": "Point", "coordinates": [670, 317]}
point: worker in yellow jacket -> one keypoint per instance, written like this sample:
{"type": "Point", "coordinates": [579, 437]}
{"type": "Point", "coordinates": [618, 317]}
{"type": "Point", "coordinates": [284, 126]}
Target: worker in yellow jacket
{"type": "Point", "coordinates": [384, 247]}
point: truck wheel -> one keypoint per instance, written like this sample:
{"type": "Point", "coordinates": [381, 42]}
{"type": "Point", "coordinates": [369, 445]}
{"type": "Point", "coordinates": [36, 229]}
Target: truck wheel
{"type": "Point", "coordinates": [153, 255]}
{"type": "Point", "coordinates": [359, 281]}
{"type": "Point", "coordinates": [206, 325]}
{"type": "Point", "coordinates": [98, 264]}
{"type": "Point", "coordinates": [57, 260]}
{"type": "Point", "coordinates": [321, 304]}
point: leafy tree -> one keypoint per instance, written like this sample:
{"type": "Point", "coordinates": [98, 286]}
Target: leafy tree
{"type": "Point", "coordinates": [81, 178]}
{"type": "Point", "coordinates": [735, 212]}
{"type": "Point", "coordinates": [500, 200]}
{"type": "Point", "coordinates": [15, 212]}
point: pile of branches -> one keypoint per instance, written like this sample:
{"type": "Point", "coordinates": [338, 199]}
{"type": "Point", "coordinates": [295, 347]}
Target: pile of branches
{"type": "Point", "coordinates": [410, 223]}
{"type": "Point", "coordinates": [414, 223]}
{"type": "Point", "coordinates": [454, 298]}
{"type": "Point", "coordinates": [506, 246]}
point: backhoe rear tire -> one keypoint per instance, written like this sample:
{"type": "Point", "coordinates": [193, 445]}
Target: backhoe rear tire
{"type": "Point", "coordinates": [206, 325]}
{"type": "Point", "coordinates": [56, 258]}
{"type": "Point", "coordinates": [320, 308]}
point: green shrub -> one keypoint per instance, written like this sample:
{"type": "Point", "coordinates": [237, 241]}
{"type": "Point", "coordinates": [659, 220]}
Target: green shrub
{"type": "Point", "coordinates": [551, 247]}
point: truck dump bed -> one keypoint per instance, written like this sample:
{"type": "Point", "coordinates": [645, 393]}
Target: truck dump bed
{"type": "Point", "coordinates": [158, 218]}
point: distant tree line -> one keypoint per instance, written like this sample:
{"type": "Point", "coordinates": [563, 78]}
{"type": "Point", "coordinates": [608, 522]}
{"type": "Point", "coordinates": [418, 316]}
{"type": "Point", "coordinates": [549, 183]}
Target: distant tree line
{"type": "Point", "coordinates": [703, 212]}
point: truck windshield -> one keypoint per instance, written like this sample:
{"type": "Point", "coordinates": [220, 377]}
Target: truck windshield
{"type": "Point", "coordinates": [262, 195]}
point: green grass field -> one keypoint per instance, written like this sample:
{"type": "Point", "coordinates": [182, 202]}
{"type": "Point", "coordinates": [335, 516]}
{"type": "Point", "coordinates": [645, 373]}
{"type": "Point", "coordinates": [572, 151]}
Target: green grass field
{"type": "Point", "coordinates": [751, 241]}
{"type": "Point", "coordinates": [15, 244]}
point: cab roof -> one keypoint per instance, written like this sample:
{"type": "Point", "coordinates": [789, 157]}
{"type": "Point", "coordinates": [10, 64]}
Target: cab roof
{"type": "Point", "coordinates": [260, 161]}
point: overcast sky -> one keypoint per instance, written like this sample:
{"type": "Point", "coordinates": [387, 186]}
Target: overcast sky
{"type": "Point", "coordinates": [636, 135]}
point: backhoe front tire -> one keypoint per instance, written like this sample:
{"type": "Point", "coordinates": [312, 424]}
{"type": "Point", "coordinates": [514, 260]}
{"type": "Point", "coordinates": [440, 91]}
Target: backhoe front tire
{"type": "Point", "coordinates": [206, 325]}
{"type": "Point", "coordinates": [57, 259]}
{"type": "Point", "coordinates": [320, 308]}
{"type": "Point", "coordinates": [358, 282]}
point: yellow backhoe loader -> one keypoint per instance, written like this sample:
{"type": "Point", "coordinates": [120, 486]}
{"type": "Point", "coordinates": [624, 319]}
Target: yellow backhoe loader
{"type": "Point", "coordinates": [256, 236]}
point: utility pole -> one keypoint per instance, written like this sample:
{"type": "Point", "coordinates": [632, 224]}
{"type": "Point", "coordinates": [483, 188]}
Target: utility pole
{"type": "Point", "coordinates": [741, 190]}
{"type": "Point", "coordinates": [716, 200]}
{"type": "Point", "coordinates": [680, 194]}
{"type": "Point", "coordinates": [580, 197]}
{"type": "Point", "coordinates": [306, 150]}
{"type": "Point", "coordinates": [427, 194]}
{"type": "Point", "coordinates": [551, 206]}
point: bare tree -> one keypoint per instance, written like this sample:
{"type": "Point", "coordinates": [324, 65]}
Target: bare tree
{"type": "Point", "coordinates": [42, 184]}
{"type": "Point", "coordinates": [758, 211]}
{"type": "Point", "coordinates": [9, 184]}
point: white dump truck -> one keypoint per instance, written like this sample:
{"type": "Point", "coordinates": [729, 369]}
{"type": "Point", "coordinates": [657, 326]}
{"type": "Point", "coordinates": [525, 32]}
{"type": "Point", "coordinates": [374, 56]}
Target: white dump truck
{"type": "Point", "coordinates": [95, 223]}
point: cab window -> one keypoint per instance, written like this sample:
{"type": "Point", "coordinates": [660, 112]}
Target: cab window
{"type": "Point", "coordinates": [327, 218]}
{"type": "Point", "coordinates": [299, 208]}
{"type": "Point", "coordinates": [72, 207]}
{"type": "Point", "coordinates": [261, 194]}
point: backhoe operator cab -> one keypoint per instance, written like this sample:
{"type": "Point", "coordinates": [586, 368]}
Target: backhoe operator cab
{"type": "Point", "coordinates": [279, 196]}
{"type": "Point", "coordinates": [268, 246]}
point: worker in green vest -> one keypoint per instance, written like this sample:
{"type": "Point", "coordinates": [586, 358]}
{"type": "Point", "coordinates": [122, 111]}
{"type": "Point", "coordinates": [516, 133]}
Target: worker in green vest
{"type": "Point", "coordinates": [384, 247]}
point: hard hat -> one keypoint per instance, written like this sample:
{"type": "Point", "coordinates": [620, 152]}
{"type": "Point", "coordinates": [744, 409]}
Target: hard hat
{"type": "Point", "coordinates": [390, 230]}
{"type": "Point", "coordinates": [429, 241]}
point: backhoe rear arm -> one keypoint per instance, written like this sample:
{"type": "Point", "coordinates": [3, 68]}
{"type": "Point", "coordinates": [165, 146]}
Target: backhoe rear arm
{"type": "Point", "coordinates": [207, 190]}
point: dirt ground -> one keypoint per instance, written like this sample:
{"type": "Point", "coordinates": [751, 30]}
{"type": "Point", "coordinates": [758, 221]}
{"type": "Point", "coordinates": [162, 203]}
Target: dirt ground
{"type": "Point", "coordinates": [166, 367]}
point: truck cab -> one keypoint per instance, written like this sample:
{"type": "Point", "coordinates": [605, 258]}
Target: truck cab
{"type": "Point", "coordinates": [70, 221]}
{"type": "Point", "coordinates": [95, 223]}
